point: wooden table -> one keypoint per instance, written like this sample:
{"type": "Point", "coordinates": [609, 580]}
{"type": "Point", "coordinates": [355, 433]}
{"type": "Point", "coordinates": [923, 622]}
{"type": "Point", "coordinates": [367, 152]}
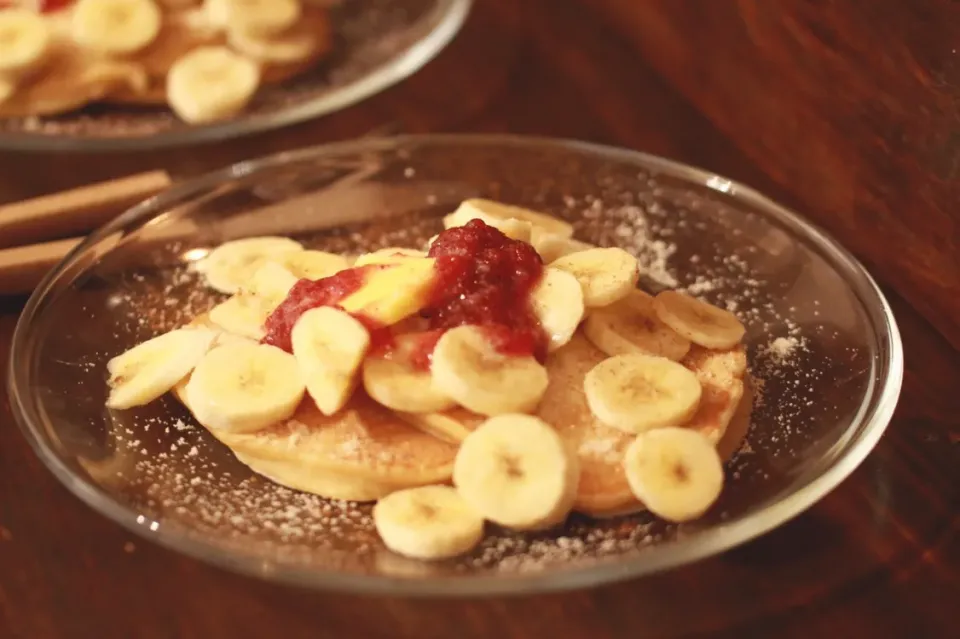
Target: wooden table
{"type": "Point", "coordinates": [847, 111]}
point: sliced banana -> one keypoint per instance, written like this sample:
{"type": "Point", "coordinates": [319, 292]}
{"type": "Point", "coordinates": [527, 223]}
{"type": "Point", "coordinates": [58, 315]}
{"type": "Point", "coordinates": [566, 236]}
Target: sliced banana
{"type": "Point", "coordinates": [606, 274]}
{"type": "Point", "coordinates": [297, 44]}
{"type": "Point", "coordinates": [632, 326]}
{"type": "Point", "coordinates": [118, 27]}
{"type": "Point", "coordinates": [552, 247]}
{"type": "Point", "coordinates": [471, 371]}
{"type": "Point", "coordinates": [243, 315]}
{"type": "Point", "coordinates": [243, 388]}
{"type": "Point", "coordinates": [313, 265]}
{"type": "Point", "coordinates": [252, 16]}
{"type": "Point", "coordinates": [636, 393]}
{"type": "Point", "coordinates": [396, 384]}
{"type": "Point", "coordinates": [429, 522]}
{"type": "Point", "coordinates": [232, 265]}
{"type": "Point", "coordinates": [675, 472]}
{"type": "Point", "coordinates": [25, 43]}
{"type": "Point", "coordinates": [271, 281]}
{"type": "Point", "coordinates": [541, 222]}
{"type": "Point", "coordinates": [225, 338]}
{"type": "Point", "coordinates": [148, 370]}
{"type": "Point", "coordinates": [701, 323]}
{"type": "Point", "coordinates": [393, 255]}
{"type": "Point", "coordinates": [557, 302]}
{"type": "Point", "coordinates": [511, 227]}
{"type": "Point", "coordinates": [211, 83]}
{"type": "Point", "coordinates": [329, 346]}
{"type": "Point", "coordinates": [515, 471]}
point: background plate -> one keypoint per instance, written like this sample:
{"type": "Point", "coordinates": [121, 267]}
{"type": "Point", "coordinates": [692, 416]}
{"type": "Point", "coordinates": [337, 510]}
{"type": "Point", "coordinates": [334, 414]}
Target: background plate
{"type": "Point", "coordinates": [377, 43]}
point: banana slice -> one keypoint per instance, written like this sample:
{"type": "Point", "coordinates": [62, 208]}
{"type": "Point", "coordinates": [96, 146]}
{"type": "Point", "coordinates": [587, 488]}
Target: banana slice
{"type": "Point", "coordinates": [511, 227]}
{"type": "Point", "coordinates": [632, 326]}
{"type": "Point", "coordinates": [252, 16]}
{"type": "Point", "coordinates": [232, 265]}
{"type": "Point", "coordinates": [271, 281]}
{"type": "Point", "coordinates": [243, 388]}
{"type": "Point", "coordinates": [515, 471]}
{"type": "Point", "coordinates": [606, 274]}
{"type": "Point", "coordinates": [313, 265]}
{"type": "Point", "coordinates": [225, 338]}
{"type": "Point", "coordinates": [243, 315]}
{"type": "Point", "coordinates": [468, 368]}
{"type": "Point", "coordinates": [211, 83]}
{"type": "Point", "coordinates": [117, 76]}
{"type": "Point", "coordinates": [675, 472]}
{"type": "Point", "coordinates": [117, 27]}
{"type": "Point", "coordinates": [557, 302]}
{"type": "Point", "coordinates": [701, 323]}
{"type": "Point", "coordinates": [329, 346]}
{"type": "Point", "coordinates": [552, 247]}
{"type": "Point", "coordinates": [388, 256]}
{"type": "Point", "coordinates": [396, 384]}
{"type": "Point", "coordinates": [428, 522]}
{"type": "Point", "coordinates": [25, 43]}
{"type": "Point", "coordinates": [636, 393]}
{"type": "Point", "coordinates": [297, 44]}
{"type": "Point", "coordinates": [147, 371]}
{"type": "Point", "coordinates": [541, 222]}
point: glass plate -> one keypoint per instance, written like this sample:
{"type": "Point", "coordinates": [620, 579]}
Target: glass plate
{"type": "Point", "coordinates": [823, 346]}
{"type": "Point", "coordinates": [377, 43]}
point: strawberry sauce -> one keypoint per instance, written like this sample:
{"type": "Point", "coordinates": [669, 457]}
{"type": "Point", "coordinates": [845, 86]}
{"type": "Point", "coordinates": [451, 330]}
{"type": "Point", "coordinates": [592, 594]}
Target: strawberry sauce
{"type": "Point", "coordinates": [483, 278]}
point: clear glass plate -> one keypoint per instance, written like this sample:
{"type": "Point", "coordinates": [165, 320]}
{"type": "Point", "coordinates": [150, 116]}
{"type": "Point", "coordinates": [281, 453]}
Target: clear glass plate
{"type": "Point", "coordinates": [377, 43]}
{"type": "Point", "coordinates": [824, 352]}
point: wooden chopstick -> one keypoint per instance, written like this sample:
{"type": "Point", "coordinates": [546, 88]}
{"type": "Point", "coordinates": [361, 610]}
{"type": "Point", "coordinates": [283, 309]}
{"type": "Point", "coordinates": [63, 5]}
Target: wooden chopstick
{"type": "Point", "coordinates": [22, 268]}
{"type": "Point", "coordinates": [75, 211]}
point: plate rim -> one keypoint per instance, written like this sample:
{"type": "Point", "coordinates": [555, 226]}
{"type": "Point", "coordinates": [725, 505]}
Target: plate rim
{"type": "Point", "coordinates": [865, 429]}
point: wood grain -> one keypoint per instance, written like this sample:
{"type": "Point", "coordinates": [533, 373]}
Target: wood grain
{"type": "Point", "coordinates": [845, 110]}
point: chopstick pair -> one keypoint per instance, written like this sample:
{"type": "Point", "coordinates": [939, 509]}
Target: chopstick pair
{"type": "Point", "coordinates": [27, 250]}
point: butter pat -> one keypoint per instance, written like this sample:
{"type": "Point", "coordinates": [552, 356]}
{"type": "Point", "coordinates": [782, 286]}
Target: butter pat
{"type": "Point", "coordinates": [395, 293]}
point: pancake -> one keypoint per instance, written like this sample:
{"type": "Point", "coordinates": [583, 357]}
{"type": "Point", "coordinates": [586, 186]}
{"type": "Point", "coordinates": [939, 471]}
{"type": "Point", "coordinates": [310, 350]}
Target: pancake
{"type": "Point", "coordinates": [603, 484]}
{"type": "Point", "coordinates": [363, 440]}
{"type": "Point", "coordinates": [720, 374]}
{"type": "Point", "coordinates": [309, 479]}
{"type": "Point", "coordinates": [728, 445]}
{"type": "Point", "coordinates": [367, 451]}
{"type": "Point", "coordinates": [739, 425]}
{"type": "Point", "coordinates": [450, 425]}
{"type": "Point", "coordinates": [603, 490]}
{"type": "Point", "coordinates": [76, 76]}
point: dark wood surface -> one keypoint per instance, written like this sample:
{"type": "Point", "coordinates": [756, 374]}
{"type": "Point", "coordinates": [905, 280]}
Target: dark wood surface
{"type": "Point", "coordinates": [846, 110]}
